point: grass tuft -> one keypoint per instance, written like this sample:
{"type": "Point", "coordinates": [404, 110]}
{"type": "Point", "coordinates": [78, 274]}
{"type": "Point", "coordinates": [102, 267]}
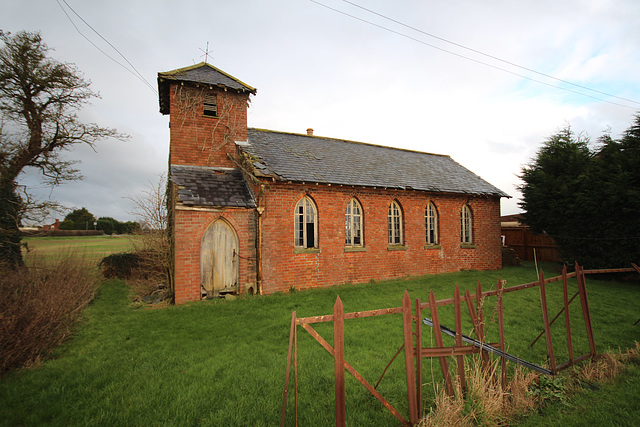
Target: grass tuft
{"type": "Point", "coordinates": [485, 402]}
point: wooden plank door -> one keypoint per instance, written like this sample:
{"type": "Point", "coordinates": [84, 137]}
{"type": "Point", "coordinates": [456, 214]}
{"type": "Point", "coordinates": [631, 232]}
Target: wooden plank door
{"type": "Point", "coordinates": [219, 259]}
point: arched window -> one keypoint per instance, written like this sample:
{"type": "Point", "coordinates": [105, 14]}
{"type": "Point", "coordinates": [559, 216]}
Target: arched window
{"type": "Point", "coordinates": [353, 224]}
{"type": "Point", "coordinates": [466, 225]}
{"type": "Point", "coordinates": [306, 224]}
{"type": "Point", "coordinates": [395, 224]}
{"type": "Point", "coordinates": [431, 224]}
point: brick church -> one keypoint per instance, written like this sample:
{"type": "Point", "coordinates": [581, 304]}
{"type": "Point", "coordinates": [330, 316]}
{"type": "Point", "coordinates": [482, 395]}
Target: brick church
{"type": "Point", "coordinates": [263, 211]}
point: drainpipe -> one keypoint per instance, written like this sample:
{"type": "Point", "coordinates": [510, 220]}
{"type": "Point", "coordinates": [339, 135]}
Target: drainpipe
{"type": "Point", "coordinates": [259, 211]}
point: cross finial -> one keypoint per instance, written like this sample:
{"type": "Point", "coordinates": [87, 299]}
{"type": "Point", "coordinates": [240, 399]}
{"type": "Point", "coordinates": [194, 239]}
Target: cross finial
{"type": "Point", "coordinates": [206, 53]}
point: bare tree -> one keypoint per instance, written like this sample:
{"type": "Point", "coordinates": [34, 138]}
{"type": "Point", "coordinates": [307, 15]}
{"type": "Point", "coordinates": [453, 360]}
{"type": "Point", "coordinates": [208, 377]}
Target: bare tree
{"type": "Point", "coordinates": [153, 243]}
{"type": "Point", "coordinates": [39, 99]}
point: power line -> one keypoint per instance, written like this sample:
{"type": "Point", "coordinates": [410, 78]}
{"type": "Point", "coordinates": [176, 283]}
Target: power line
{"type": "Point", "coordinates": [135, 72]}
{"type": "Point", "coordinates": [468, 58]}
{"type": "Point", "coordinates": [94, 45]}
{"type": "Point", "coordinates": [488, 55]}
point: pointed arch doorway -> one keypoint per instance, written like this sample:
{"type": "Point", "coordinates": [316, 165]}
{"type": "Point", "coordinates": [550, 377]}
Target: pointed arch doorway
{"type": "Point", "coordinates": [219, 259]}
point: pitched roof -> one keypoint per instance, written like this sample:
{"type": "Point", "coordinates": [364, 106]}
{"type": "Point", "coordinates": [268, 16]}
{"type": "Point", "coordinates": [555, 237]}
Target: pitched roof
{"type": "Point", "coordinates": [207, 186]}
{"type": "Point", "coordinates": [303, 158]}
{"type": "Point", "coordinates": [199, 73]}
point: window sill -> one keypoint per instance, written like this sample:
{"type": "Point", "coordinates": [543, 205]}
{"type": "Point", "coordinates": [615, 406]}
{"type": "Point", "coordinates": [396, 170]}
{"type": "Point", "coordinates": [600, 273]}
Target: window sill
{"type": "Point", "coordinates": [468, 245]}
{"type": "Point", "coordinates": [397, 248]}
{"type": "Point", "coordinates": [355, 249]}
{"type": "Point", "coordinates": [432, 246]}
{"type": "Point", "coordinates": [306, 251]}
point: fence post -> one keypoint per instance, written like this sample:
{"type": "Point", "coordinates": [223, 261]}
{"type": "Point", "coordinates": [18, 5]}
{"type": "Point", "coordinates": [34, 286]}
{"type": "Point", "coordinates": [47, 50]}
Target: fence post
{"type": "Point", "coordinates": [547, 326]}
{"type": "Point", "coordinates": [438, 336]}
{"type": "Point", "coordinates": [479, 326]}
{"type": "Point", "coordinates": [419, 355]}
{"type": "Point", "coordinates": [408, 357]}
{"type": "Point", "coordinates": [567, 321]}
{"type": "Point", "coordinates": [286, 378]}
{"type": "Point", "coordinates": [338, 344]}
{"type": "Point", "coordinates": [460, 358]}
{"type": "Point", "coordinates": [503, 362]}
{"type": "Point", "coordinates": [582, 289]}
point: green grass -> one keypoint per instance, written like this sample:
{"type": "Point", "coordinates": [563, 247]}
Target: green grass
{"type": "Point", "coordinates": [223, 362]}
{"type": "Point", "coordinates": [93, 247]}
{"type": "Point", "coordinates": [609, 404]}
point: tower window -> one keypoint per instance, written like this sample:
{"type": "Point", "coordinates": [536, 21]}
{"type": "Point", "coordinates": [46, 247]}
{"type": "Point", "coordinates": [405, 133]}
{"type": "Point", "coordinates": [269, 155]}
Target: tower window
{"type": "Point", "coordinates": [210, 106]}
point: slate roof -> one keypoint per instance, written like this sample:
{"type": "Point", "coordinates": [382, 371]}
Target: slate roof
{"type": "Point", "coordinates": [303, 158]}
{"type": "Point", "coordinates": [215, 187]}
{"type": "Point", "coordinates": [199, 73]}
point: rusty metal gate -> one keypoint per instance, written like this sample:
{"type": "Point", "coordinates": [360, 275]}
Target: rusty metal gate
{"type": "Point", "coordinates": [414, 352]}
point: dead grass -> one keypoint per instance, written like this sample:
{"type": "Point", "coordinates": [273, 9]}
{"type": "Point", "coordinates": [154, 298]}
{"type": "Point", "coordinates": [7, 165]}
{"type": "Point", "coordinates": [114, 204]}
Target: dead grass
{"type": "Point", "coordinates": [606, 366]}
{"type": "Point", "coordinates": [149, 292]}
{"type": "Point", "coordinates": [40, 304]}
{"type": "Point", "coordinates": [486, 403]}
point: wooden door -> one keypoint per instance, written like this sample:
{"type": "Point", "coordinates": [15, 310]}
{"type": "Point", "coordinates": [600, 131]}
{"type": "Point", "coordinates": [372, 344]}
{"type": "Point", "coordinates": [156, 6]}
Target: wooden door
{"type": "Point", "coordinates": [219, 259]}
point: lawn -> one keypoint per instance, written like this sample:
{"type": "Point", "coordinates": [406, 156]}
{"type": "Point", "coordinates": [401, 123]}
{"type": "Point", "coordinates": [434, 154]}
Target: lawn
{"type": "Point", "coordinates": [221, 362]}
{"type": "Point", "coordinates": [93, 247]}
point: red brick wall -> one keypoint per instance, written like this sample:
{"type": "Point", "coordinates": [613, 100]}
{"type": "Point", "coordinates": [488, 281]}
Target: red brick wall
{"type": "Point", "coordinates": [189, 226]}
{"type": "Point", "coordinates": [206, 141]}
{"type": "Point", "coordinates": [198, 140]}
{"type": "Point", "coordinates": [283, 270]}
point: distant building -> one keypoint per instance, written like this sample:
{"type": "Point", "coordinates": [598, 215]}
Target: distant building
{"type": "Point", "coordinates": [51, 227]}
{"type": "Point", "coordinates": [255, 210]}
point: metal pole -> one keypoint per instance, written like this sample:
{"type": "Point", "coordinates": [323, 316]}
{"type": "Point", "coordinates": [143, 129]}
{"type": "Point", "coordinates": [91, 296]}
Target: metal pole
{"type": "Point", "coordinates": [338, 344]}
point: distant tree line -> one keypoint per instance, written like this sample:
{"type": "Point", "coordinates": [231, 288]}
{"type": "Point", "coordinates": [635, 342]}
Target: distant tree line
{"type": "Point", "coordinates": [587, 197]}
{"type": "Point", "coordinates": [82, 219]}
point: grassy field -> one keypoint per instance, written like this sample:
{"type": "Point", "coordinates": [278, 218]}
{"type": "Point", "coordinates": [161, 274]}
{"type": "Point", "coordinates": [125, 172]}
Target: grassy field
{"type": "Point", "coordinates": [610, 404]}
{"type": "Point", "coordinates": [223, 362]}
{"type": "Point", "coordinates": [92, 247]}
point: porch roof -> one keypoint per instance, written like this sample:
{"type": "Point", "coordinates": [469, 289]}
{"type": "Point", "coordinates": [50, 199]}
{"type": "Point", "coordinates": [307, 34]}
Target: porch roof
{"type": "Point", "coordinates": [214, 187]}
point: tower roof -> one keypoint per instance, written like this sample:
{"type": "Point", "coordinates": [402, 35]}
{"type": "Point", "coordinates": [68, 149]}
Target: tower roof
{"type": "Point", "coordinates": [202, 73]}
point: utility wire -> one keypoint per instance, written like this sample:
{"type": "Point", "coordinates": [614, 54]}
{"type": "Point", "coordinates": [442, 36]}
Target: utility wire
{"type": "Point", "coordinates": [94, 45]}
{"type": "Point", "coordinates": [466, 57]}
{"type": "Point", "coordinates": [488, 55]}
{"type": "Point", "coordinates": [135, 72]}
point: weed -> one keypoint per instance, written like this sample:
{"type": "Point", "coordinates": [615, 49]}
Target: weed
{"type": "Point", "coordinates": [548, 389]}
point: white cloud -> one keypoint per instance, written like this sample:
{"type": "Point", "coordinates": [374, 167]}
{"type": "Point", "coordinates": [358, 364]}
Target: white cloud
{"type": "Point", "coordinates": [348, 79]}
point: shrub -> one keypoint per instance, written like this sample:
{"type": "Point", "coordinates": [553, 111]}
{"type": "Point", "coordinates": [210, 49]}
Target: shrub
{"type": "Point", "coordinates": [39, 307]}
{"type": "Point", "coordinates": [143, 273]}
{"type": "Point", "coordinates": [121, 265]}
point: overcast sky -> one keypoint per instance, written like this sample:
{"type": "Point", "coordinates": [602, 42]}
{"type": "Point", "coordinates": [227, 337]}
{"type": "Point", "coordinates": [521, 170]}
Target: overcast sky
{"type": "Point", "coordinates": [381, 82]}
